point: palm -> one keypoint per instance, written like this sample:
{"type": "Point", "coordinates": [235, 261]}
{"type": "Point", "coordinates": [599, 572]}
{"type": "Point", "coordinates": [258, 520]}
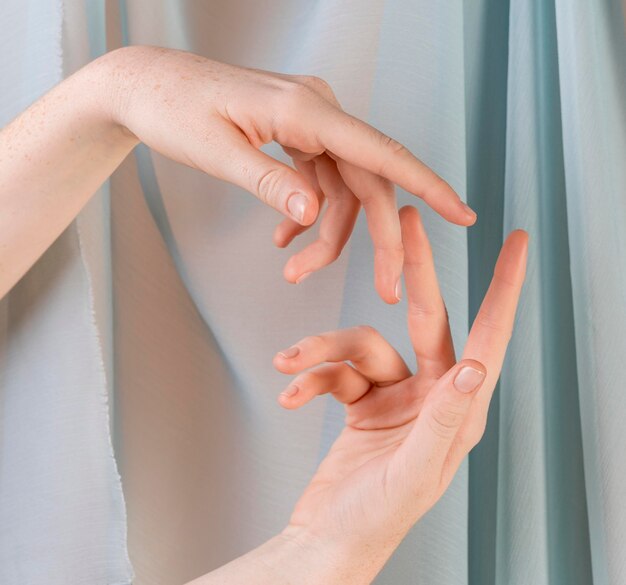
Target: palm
{"type": "Point", "coordinates": [363, 456]}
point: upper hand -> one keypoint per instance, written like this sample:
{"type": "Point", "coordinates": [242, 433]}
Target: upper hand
{"type": "Point", "coordinates": [215, 116]}
{"type": "Point", "coordinates": [406, 434]}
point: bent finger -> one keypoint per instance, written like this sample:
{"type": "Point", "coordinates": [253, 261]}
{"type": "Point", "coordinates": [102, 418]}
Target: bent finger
{"type": "Point", "coordinates": [377, 195]}
{"type": "Point", "coordinates": [288, 229]}
{"type": "Point", "coordinates": [339, 379]}
{"type": "Point", "coordinates": [370, 353]}
{"type": "Point", "coordinates": [336, 224]}
{"type": "Point", "coordinates": [273, 182]}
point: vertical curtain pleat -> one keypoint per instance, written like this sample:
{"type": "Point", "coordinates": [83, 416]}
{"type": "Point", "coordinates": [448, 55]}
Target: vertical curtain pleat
{"type": "Point", "coordinates": [542, 515]}
{"type": "Point", "coordinates": [486, 39]}
{"type": "Point", "coordinates": [592, 75]}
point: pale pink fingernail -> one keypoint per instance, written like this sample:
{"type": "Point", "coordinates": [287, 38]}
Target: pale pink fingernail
{"type": "Point", "coordinates": [289, 392]}
{"type": "Point", "coordinates": [399, 289]}
{"type": "Point", "coordinates": [302, 277]}
{"type": "Point", "coordinates": [296, 205]}
{"type": "Point", "coordinates": [468, 379]}
{"type": "Point", "coordinates": [290, 353]}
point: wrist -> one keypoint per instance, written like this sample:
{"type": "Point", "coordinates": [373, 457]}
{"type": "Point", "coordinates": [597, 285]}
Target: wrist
{"type": "Point", "coordinates": [315, 559]}
{"type": "Point", "coordinates": [115, 78]}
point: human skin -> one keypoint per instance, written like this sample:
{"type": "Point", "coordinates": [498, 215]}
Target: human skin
{"type": "Point", "coordinates": [213, 117]}
{"type": "Point", "coordinates": [405, 434]}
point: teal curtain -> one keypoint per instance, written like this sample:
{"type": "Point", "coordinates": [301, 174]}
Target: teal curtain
{"type": "Point", "coordinates": [519, 104]}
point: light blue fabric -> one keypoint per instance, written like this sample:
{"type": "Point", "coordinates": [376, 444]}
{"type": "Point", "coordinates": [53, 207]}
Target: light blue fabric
{"type": "Point", "coordinates": [520, 105]}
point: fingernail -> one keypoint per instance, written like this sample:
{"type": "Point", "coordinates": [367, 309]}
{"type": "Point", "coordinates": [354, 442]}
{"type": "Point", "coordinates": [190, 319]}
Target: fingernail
{"type": "Point", "coordinates": [296, 205]}
{"type": "Point", "coordinates": [469, 211]}
{"type": "Point", "coordinates": [291, 391]}
{"type": "Point", "coordinates": [302, 277]}
{"type": "Point", "coordinates": [290, 353]}
{"type": "Point", "coordinates": [468, 379]}
{"type": "Point", "coordinates": [399, 289]}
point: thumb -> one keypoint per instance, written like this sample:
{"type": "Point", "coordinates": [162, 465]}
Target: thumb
{"type": "Point", "coordinates": [444, 411]}
{"type": "Point", "coordinates": [273, 182]}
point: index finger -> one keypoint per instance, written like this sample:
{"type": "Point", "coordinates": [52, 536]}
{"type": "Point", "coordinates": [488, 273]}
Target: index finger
{"type": "Point", "coordinates": [492, 328]}
{"type": "Point", "coordinates": [361, 144]}
{"type": "Point", "coordinates": [488, 341]}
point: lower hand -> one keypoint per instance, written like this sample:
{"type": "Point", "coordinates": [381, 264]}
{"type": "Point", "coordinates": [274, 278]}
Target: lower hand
{"type": "Point", "coordinates": [406, 434]}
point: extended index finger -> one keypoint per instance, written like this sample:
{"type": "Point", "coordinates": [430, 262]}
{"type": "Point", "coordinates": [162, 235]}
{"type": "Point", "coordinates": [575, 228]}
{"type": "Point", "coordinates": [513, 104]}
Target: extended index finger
{"type": "Point", "coordinates": [490, 334]}
{"type": "Point", "coordinates": [361, 144]}
{"type": "Point", "coordinates": [488, 341]}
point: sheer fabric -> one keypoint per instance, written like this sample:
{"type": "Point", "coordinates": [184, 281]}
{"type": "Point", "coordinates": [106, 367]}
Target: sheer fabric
{"type": "Point", "coordinates": [169, 299]}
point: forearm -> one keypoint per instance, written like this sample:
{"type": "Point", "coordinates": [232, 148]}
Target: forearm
{"type": "Point", "coordinates": [272, 563]}
{"type": "Point", "coordinates": [289, 559]}
{"type": "Point", "coordinates": [53, 158]}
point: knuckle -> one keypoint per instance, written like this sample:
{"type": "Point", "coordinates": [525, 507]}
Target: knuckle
{"type": "Point", "coordinates": [475, 436]}
{"type": "Point", "coordinates": [315, 341]}
{"type": "Point", "coordinates": [390, 144]}
{"type": "Point", "coordinates": [445, 419]}
{"type": "Point", "coordinates": [470, 437]}
{"type": "Point", "coordinates": [393, 149]}
{"type": "Point", "coordinates": [488, 321]}
{"type": "Point", "coordinates": [309, 379]}
{"type": "Point", "coordinates": [421, 310]}
{"type": "Point", "coordinates": [295, 92]}
{"type": "Point", "coordinates": [331, 251]}
{"type": "Point", "coordinates": [367, 339]}
{"type": "Point", "coordinates": [368, 332]}
{"type": "Point", "coordinates": [317, 83]}
{"type": "Point", "coordinates": [267, 185]}
{"type": "Point", "coordinates": [395, 248]}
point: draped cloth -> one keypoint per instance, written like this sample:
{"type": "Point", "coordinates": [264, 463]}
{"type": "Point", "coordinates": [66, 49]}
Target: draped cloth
{"type": "Point", "coordinates": [140, 436]}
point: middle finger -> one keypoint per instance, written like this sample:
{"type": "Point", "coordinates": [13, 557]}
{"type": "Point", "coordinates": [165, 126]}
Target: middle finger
{"type": "Point", "coordinates": [377, 195]}
{"type": "Point", "coordinates": [427, 317]}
